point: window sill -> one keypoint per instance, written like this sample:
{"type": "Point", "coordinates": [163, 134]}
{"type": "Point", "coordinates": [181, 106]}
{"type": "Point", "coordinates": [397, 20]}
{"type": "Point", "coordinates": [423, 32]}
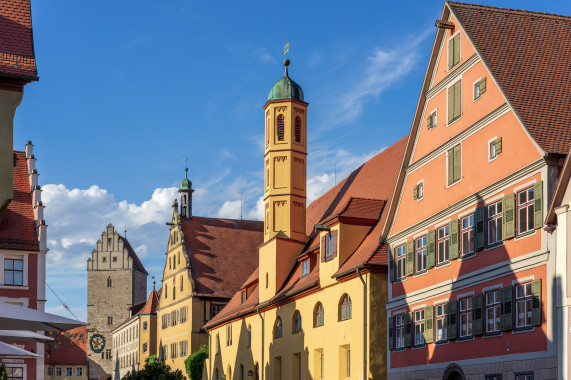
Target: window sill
{"type": "Point", "coordinates": [490, 159]}
{"type": "Point", "coordinates": [454, 183]}
{"type": "Point", "coordinates": [15, 287]}
{"type": "Point", "coordinates": [493, 334]}
{"type": "Point", "coordinates": [441, 342]}
{"type": "Point", "coordinates": [442, 265]}
{"type": "Point", "coordinates": [399, 349]}
{"type": "Point", "coordinates": [465, 339]}
{"type": "Point", "coordinates": [519, 330]}
{"type": "Point", "coordinates": [476, 99]}
{"type": "Point", "coordinates": [450, 122]}
{"type": "Point", "coordinates": [525, 235]}
{"type": "Point", "coordinates": [421, 273]}
{"type": "Point", "coordinates": [467, 256]}
{"type": "Point", "coordinates": [494, 246]}
{"type": "Point", "coordinates": [419, 347]}
{"type": "Point", "coordinates": [402, 279]}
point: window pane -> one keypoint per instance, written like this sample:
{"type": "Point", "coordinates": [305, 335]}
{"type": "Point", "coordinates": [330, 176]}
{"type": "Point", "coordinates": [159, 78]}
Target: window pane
{"type": "Point", "coordinates": [530, 217]}
{"type": "Point", "coordinates": [522, 220]}
{"type": "Point", "coordinates": [18, 278]}
{"type": "Point", "coordinates": [9, 264]}
{"type": "Point", "coordinates": [9, 278]}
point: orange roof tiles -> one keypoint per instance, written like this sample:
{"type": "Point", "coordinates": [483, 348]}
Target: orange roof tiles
{"type": "Point", "coordinates": [223, 253]}
{"type": "Point", "coordinates": [17, 57]}
{"type": "Point", "coordinates": [17, 227]}
{"type": "Point", "coordinates": [151, 305]}
{"type": "Point", "coordinates": [69, 347]}
{"type": "Point", "coordinates": [528, 53]}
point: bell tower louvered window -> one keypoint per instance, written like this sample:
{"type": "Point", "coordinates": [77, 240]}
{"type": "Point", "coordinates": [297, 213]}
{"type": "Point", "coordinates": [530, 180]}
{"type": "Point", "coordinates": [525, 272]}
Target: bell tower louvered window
{"type": "Point", "coordinates": [281, 128]}
{"type": "Point", "coordinates": [298, 129]}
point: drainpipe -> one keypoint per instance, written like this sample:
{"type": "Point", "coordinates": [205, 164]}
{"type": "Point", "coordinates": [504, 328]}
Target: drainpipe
{"type": "Point", "coordinates": [209, 354]}
{"type": "Point", "coordinates": [261, 366]}
{"type": "Point", "coordinates": [364, 324]}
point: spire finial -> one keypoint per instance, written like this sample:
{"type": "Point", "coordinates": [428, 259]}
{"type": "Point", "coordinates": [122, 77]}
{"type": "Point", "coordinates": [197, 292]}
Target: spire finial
{"type": "Point", "coordinates": [286, 60]}
{"type": "Point", "coordinates": [186, 168]}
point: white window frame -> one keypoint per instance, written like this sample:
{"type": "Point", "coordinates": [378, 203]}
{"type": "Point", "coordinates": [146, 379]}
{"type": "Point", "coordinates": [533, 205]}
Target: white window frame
{"type": "Point", "coordinates": [495, 306]}
{"type": "Point", "coordinates": [528, 204]}
{"type": "Point", "coordinates": [420, 190]}
{"type": "Point", "coordinates": [305, 268]}
{"type": "Point", "coordinates": [490, 143]}
{"type": "Point", "coordinates": [400, 328]}
{"type": "Point", "coordinates": [445, 240]}
{"type": "Point", "coordinates": [474, 86]}
{"type": "Point", "coordinates": [400, 260]}
{"type": "Point", "coordinates": [470, 230]}
{"type": "Point", "coordinates": [494, 219]}
{"type": "Point", "coordinates": [20, 256]}
{"type": "Point", "coordinates": [419, 328]}
{"type": "Point", "coordinates": [465, 316]}
{"type": "Point", "coordinates": [418, 249]}
{"type": "Point", "coordinates": [433, 118]}
{"type": "Point", "coordinates": [441, 316]}
{"type": "Point", "coordinates": [527, 300]}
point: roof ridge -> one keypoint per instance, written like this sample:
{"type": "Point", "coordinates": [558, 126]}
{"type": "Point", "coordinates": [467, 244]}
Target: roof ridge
{"type": "Point", "coordinates": [511, 10]}
{"type": "Point", "coordinates": [234, 220]}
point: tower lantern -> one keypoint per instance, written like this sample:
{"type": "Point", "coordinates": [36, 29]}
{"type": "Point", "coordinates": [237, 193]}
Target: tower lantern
{"type": "Point", "coordinates": [285, 160]}
{"type": "Point", "coordinates": [186, 196]}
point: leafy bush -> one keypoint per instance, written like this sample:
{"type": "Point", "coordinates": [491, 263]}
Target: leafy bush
{"type": "Point", "coordinates": [155, 369]}
{"type": "Point", "coordinates": [195, 363]}
{"type": "Point", "coordinates": [3, 372]}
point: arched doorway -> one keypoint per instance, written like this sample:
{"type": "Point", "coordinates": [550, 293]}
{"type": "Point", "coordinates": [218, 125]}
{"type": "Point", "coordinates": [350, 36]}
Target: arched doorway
{"type": "Point", "coordinates": [453, 372]}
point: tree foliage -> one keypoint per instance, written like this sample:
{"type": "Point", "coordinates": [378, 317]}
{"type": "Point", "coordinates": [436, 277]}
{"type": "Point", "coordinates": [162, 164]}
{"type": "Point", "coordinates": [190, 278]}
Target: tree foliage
{"type": "Point", "coordinates": [155, 369]}
{"type": "Point", "coordinates": [3, 372]}
{"type": "Point", "coordinates": [195, 363]}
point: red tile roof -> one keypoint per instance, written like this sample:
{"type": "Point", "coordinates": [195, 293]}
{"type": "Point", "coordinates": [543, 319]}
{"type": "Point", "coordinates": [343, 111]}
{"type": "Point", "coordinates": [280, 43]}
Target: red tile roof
{"type": "Point", "coordinates": [528, 53]}
{"type": "Point", "coordinates": [17, 227]}
{"type": "Point", "coordinates": [223, 253]}
{"type": "Point", "coordinates": [151, 305]}
{"type": "Point", "coordinates": [68, 347]}
{"type": "Point", "coordinates": [16, 40]}
{"type": "Point", "coordinates": [358, 208]}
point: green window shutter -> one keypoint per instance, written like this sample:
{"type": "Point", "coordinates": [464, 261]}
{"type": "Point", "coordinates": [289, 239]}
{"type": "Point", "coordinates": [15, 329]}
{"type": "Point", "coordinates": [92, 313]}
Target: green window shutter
{"type": "Point", "coordinates": [477, 318]}
{"type": "Point", "coordinates": [450, 166]}
{"type": "Point", "coordinates": [453, 249]}
{"type": "Point", "coordinates": [479, 228]}
{"type": "Point", "coordinates": [536, 303]}
{"type": "Point", "coordinates": [456, 49]}
{"type": "Point", "coordinates": [391, 339]}
{"type": "Point", "coordinates": [482, 85]}
{"type": "Point", "coordinates": [410, 258]}
{"type": "Point", "coordinates": [538, 205]}
{"type": "Point", "coordinates": [457, 163]}
{"type": "Point", "coordinates": [428, 325]}
{"type": "Point", "coordinates": [431, 249]}
{"type": "Point", "coordinates": [450, 53]}
{"type": "Point", "coordinates": [415, 192]}
{"type": "Point", "coordinates": [506, 320]}
{"type": "Point", "coordinates": [450, 103]}
{"type": "Point", "coordinates": [508, 218]}
{"type": "Point", "coordinates": [498, 143]}
{"type": "Point", "coordinates": [408, 330]}
{"type": "Point", "coordinates": [457, 99]}
{"type": "Point", "coordinates": [452, 316]}
{"type": "Point", "coordinates": [429, 122]}
{"type": "Point", "coordinates": [391, 264]}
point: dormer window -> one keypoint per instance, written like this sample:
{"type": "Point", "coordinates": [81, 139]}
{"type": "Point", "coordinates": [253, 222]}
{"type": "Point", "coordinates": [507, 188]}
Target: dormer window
{"type": "Point", "coordinates": [305, 268]}
{"type": "Point", "coordinates": [329, 246]}
{"type": "Point", "coordinates": [243, 296]}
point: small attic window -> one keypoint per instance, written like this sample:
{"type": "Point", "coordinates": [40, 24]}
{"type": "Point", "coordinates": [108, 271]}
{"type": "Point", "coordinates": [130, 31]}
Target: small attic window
{"type": "Point", "coordinates": [243, 296]}
{"type": "Point", "coordinates": [104, 259]}
{"type": "Point", "coordinates": [281, 128]}
{"type": "Point", "coordinates": [305, 268]}
{"type": "Point", "coordinates": [114, 259]}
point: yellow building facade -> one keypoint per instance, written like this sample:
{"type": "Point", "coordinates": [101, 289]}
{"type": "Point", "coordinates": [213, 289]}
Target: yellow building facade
{"type": "Point", "coordinates": [315, 306]}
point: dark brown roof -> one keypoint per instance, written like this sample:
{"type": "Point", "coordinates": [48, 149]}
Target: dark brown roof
{"type": "Point", "coordinates": [17, 227]}
{"type": "Point", "coordinates": [223, 253]}
{"type": "Point", "coordinates": [137, 264]}
{"type": "Point", "coordinates": [16, 41]}
{"type": "Point", "coordinates": [528, 53]}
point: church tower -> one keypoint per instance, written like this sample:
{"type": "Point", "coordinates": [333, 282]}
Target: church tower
{"type": "Point", "coordinates": [285, 160]}
{"type": "Point", "coordinates": [186, 196]}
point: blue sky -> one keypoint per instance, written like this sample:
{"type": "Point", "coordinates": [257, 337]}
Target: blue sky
{"type": "Point", "coordinates": [129, 88]}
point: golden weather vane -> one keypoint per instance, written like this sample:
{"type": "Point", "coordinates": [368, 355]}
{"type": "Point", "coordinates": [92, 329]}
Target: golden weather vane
{"type": "Point", "coordinates": [286, 48]}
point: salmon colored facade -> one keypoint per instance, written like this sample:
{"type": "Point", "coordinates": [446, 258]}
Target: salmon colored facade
{"type": "Point", "coordinates": [472, 278]}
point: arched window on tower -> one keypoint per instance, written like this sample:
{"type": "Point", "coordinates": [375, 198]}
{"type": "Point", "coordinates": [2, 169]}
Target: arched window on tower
{"type": "Point", "coordinates": [281, 128]}
{"type": "Point", "coordinates": [109, 282]}
{"type": "Point", "coordinates": [298, 129]}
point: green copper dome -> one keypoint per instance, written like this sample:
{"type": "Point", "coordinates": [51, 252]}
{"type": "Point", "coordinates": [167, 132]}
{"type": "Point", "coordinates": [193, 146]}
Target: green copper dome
{"type": "Point", "coordinates": [286, 88]}
{"type": "Point", "coordinates": [186, 184]}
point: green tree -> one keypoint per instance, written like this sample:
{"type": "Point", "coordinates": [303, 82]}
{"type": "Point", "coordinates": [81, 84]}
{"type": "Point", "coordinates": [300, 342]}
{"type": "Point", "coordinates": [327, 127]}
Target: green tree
{"type": "Point", "coordinates": [3, 372]}
{"type": "Point", "coordinates": [155, 369]}
{"type": "Point", "coordinates": [195, 363]}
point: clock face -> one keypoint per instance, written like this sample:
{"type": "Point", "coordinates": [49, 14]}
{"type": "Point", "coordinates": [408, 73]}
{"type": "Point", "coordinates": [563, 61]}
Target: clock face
{"type": "Point", "coordinates": [97, 343]}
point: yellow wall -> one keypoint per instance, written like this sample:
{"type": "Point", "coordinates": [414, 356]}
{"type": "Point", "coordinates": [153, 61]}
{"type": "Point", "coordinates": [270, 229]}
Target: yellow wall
{"type": "Point", "coordinates": [332, 339]}
{"type": "Point", "coordinates": [63, 368]}
{"type": "Point", "coordinates": [148, 336]}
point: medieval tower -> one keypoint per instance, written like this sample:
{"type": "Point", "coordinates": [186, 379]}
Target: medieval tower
{"type": "Point", "coordinates": [116, 281]}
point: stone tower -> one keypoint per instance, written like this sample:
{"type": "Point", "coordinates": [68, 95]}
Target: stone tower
{"type": "Point", "coordinates": [285, 160]}
{"type": "Point", "coordinates": [116, 280]}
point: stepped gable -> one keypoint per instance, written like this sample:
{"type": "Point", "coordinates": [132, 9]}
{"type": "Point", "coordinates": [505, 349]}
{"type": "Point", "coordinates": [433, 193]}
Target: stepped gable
{"type": "Point", "coordinates": [223, 253]}
{"type": "Point", "coordinates": [137, 264]}
{"type": "Point", "coordinates": [17, 59]}
{"type": "Point", "coordinates": [17, 227]}
{"type": "Point", "coordinates": [68, 347]}
{"type": "Point", "coordinates": [527, 53]}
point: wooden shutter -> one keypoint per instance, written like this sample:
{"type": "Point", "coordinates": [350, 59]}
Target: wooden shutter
{"type": "Point", "coordinates": [323, 248]}
{"type": "Point", "coordinates": [334, 234]}
{"type": "Point", "coordinates": [408, 330]}
{"type": "Point", "coordinates": [508, 218]}
{"type": "Point", "coordinates": [479, 240]}
{"type": "Point", "coordinates": [415, 192]}
{"type": "Point", "coordinates": [506, 320]}
{"type": "Point", "coordinates": [457, 99]}
{"type": "Point", "coordinates": [429, 121]}
{"type": "Point", "coordinates": [450, 103]}
{"type": "Point", "coordinates": [410, 258]}
{"type": "Point", "coordinates": [391, 339]}
{"type": "Point", "coordinates": [482, 85]}
{"type": "Point", "coordinates": [450, 166]}
{"type": "Point", "coordinates": [456, 49]}
{"type": "Point", "coordinates": [457, 163]}
{"type": "Point", "coordinates": [477, 318]}
{"type": "Point", "coordinates": [450, 53]}
{"type": "Point", "coordinates": [498, 144]}
{"type": "Point", "coordinates": [428, 324]}
{"type": "Point", "coordinates": [431, 249]}
{"type": "Point", "coordinates": [538, 205]}
{"type": "Point", "coordinates": [536, 303]}
{"type": "Point", "coordinates": [391, 264]}
{"type": "Point", "coordinates": [452, 316]}
{"type": "Point", "coordinates": [454, 246]}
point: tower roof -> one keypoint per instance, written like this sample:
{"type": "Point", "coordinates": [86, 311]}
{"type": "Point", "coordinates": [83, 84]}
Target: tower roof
{"type": "Point", "coordinates": [286, 88]}
{"type": "Point", "coordinates": [186, 184]}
